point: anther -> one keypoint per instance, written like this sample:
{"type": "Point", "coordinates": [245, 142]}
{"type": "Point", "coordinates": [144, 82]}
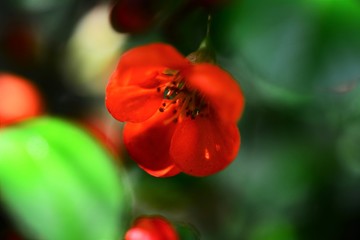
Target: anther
{"type": "Point", "coordinates": [182, 101]}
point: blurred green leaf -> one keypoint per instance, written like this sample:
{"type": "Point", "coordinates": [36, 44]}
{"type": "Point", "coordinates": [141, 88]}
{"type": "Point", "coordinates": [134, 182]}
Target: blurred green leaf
{"type": "Point", "coordinates": [302, 46]}
{"type": "Point", "coordinates": [59, 183]}
{"type": "Point", "coordinates": [277, 174]}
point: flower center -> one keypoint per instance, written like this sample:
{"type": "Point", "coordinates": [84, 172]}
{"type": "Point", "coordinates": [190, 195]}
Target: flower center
{"type": "Point", "coordinates": [178, 98]}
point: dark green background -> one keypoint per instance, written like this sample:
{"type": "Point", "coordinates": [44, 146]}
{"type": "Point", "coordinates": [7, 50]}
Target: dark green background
{"type": "Point", "coordinates": [297, 175]}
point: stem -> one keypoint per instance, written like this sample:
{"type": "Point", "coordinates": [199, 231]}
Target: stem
{"type": "Point", "coordinates": [205, 52]}
{"type": "Point", "coordinates": [206, 42]}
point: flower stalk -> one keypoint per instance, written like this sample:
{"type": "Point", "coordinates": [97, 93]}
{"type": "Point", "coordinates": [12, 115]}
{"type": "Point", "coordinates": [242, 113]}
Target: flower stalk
{"type": "Point", "coordinates": [205, 52]}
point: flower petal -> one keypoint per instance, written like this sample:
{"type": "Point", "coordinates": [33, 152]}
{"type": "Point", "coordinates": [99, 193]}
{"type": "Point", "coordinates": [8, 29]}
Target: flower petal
{"type": "Point", "coordinates": [145, 77]}
{"type": "Point", "coordinates": [204, 146]}
{"type": "Point", "coordinates": [219, 89]}
{"type": "Point", "coordinates": [148, 144]}
{"type": "Point", "coordinates": [170, 171]}
{"type": "Point", "coordinates": [131, 92]}
{"type": "Point", "coordinates": [141, 65]}
{"type": "Point", "coordinates": [132, 103]}
{"type": "Point", "coordinates": [151, 228]}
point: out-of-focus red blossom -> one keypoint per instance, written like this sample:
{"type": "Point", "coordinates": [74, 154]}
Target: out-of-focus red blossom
{"type": "Point", "coordinates": [19, 99]}
{"type": "Point", "coordinates": [151, 228]}
{"type": "Point", "coordinates": [181, 115]}
{"type": "Point", "coordinates": [132, 16]}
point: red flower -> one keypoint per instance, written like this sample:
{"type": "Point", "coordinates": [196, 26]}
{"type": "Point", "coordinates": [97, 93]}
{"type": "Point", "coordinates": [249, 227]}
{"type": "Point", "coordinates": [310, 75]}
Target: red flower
{"type": "Point", "coordinates": [19, 99]}
{"type": "Point", "coordinates": [151, 228]}
{"type": "Point", "coordinates": [181, 115]}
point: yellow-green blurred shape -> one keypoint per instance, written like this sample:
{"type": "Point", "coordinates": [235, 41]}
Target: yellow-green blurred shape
{"type": "Point", "coordinates": [59, 183]}
{"type": "Point", "coordinates": [92, 52]}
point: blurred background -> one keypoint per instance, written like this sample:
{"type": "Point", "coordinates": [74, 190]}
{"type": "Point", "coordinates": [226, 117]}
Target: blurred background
{"type": "Point", "coordinates": [297, 175]}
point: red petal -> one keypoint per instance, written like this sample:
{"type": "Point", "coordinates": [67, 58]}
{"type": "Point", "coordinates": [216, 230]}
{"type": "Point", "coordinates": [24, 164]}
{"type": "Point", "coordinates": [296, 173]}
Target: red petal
{"type": "Point", "coordinates": [148, 144]}
{"type": "Point", "coordinates": [151, 228]}
{"type": "Point", "coordinates": [204, 146]}
{"type": "Point", "coordinates": [132, 103]}
{"type": "Point", "coordinates": [146, 62]}
{"type": "Point", "coordinates": [170, 171]}
{"type": "Point", "coordinates": [131, 92]}
{"type": "Point", "coordinates": [145, 77]}
{"type": "Point", "coordinates": [219, 88]}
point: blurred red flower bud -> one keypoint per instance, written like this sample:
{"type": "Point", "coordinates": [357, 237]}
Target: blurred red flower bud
{"type": "Point", "coordinates": [19, 99]}
{"type": "Point", "coordinates": [151, 228]}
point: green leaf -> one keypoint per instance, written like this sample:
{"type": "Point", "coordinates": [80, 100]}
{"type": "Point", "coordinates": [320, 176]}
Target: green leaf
{"type": "Point", "coordinates": [305, 47]}
{"type": "Point", "coordinates": [59, 183]}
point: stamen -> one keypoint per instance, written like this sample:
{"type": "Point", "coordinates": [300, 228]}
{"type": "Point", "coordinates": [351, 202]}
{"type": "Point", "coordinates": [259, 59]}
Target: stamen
{"type": "Point", "coordinates": [170, 92]}
{"type": "Point", "coordinates": [182, 101]}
